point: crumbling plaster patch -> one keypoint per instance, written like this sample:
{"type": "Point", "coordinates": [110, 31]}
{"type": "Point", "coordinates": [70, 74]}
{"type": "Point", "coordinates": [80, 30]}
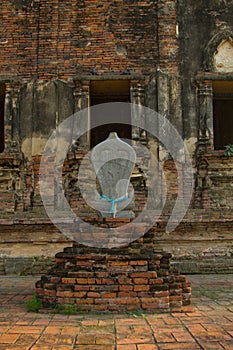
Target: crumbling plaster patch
{"type": "Point", "coordinates": [223, 57]}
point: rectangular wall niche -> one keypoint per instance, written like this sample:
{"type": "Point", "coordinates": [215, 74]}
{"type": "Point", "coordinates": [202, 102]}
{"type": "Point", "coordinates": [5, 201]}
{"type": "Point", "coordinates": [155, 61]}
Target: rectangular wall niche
{"type": "Point", "coordinates": [223, 113]}
{"type": "Point", "coordinates": [105, 91]}
{"type": "Point", "coordinates": [2, 107]}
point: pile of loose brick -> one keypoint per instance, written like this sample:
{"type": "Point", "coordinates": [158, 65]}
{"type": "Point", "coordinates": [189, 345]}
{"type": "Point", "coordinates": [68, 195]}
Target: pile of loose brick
{"type": "Point", "coordinates": [137, 277]}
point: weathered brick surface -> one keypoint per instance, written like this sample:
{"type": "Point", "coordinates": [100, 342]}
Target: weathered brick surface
{"type": "Point", "coordinates": [54, 39]}
{"type": "Point", "coordinates": [50, 53]}
{"type": "Point", "coordinates": [115, 280]}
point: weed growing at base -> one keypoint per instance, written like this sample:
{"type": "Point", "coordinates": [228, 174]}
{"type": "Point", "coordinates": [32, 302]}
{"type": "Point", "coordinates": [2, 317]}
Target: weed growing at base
{"type": "Point", "coordinates": [34, 304]}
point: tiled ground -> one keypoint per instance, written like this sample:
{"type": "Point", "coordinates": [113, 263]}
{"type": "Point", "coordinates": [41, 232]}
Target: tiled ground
{"type": "Point", "coordinates": [208, 326]}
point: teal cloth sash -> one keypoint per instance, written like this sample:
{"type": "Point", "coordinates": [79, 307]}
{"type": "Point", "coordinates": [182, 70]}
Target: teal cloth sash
{"type": "Point", "coordinates": [113, 201]}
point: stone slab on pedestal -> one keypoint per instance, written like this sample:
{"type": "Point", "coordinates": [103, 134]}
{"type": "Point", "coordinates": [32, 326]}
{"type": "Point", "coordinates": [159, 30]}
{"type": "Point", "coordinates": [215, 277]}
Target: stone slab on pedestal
{"type": "Point", "coordinates": [113, 161]}
{"type": "Point", "coordinates": [126, 278]}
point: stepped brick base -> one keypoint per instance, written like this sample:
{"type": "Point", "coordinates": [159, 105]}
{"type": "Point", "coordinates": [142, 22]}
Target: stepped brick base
{"type": "Point", "coordinates": [119, 279]}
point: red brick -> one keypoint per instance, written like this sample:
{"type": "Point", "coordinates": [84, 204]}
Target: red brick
{"type": "Point", "coordinates": [105, 281]}
{"type": "Point", "coordinates": [155, 281]}
{"type": "Point", "coordinates": [85, 301]}
{"type": "Point", "coordinates": [161, 294]}
{"type": "Point", "coordinates": [86, 280]}
{"type": "Point", "coordinates": [122, 280]}
{"type": "Point", "coordinates": [126, 288]}
{"type": "Point", "coordinates": [93, 295]}
{"type": "Point", "coordinates": [119, 263]}
{"type": "Point", "coordinates": [65, 294]}
{"type": "Point", "coordinates": [140, 280]}
{"type": "Point", "coordinates": [80, 294]}
{"type": "Point", "coordinates": [124, 301]}
{"type": "Point", "coordinates": [49, 292]}
{"type": "Point", "coordinates": [108, 295]}
{"type": "Point", "coordinates": [148, 274]}
{"type": "Point", "coordinates": [68, 280]}
{"type": "Point", "coordinates": [100, 307]}
{"type": "Point", "coordinates": [139, 263]}
{"type": "Point", "coordinates": [141, 287]}
{"type": "Point", "coordinates": [81, 288]}
{"type": "Point", "coordinates": [127, 294]}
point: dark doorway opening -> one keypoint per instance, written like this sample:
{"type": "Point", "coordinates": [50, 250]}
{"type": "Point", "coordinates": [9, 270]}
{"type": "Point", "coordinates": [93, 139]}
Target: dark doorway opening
{"type": "Point", "coordinates": [223, 113]}
{"type": "Point", "coordinates": [105, 91]}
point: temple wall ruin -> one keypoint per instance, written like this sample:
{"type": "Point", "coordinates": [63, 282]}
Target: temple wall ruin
{"type": "Point", "coordinates": [170, 53]}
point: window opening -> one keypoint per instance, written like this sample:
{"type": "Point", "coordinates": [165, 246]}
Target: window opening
{"type": "Point", "coordinates": [222, 113]}
{"type": "Point", "coordinates": [105, 91]}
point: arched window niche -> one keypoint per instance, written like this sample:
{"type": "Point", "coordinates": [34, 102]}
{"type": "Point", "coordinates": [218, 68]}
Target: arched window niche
{"type": "Point", "coordinates": [223, 57]}
{"type": "Point", "coordinates": [215, 93]}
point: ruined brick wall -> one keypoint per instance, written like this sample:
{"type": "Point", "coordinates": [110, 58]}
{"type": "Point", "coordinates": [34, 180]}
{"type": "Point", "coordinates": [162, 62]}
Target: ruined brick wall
{"type": "Point", "coordinates": [46, 40]}
{"type": "Point", "coordinates": [50, 39]}
{"type": "Point", "coordinates": [18, 38]}
{"type": "Point", "coordinates": [50, 52]}
{"type": "Point", "coordinates": [61, 39]}
{"type": "Point", "coordinates": [202, 28]}
{"type": "Point", "coordinates": [198, 23]}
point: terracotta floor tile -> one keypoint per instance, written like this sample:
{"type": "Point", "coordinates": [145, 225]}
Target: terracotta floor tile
{"type": "Point", "coordinates": [211, 345]}
{"type": "Point", "coordinates": [94, 347]}
{"type": "Point", "coordinates": [179, 346]}
{"type": "Point", "coordinates": [26, 329]}
{"type": "Point", "coordinates": [27, 339]}
{"type": "Point", "coordinates": [85, 339]}
{"type": "Point", "coordinates": [147, 347]}
{"type": "Point", "coordinates": [207, 325]}
{"type": "Point", "coordinates": [53, 330]}
{"type": "Point", "coordinates": [70, 330]}
{"type": "Point", "coordinates": [41, 347]}
{"type": "Point", "coordinates": [8, 338]}
{"type": "Point", "coordinates": [127, 347]}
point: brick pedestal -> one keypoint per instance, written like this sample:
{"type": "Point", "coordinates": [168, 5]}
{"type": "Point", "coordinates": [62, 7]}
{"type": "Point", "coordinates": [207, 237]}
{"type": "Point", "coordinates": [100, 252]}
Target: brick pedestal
{"type": "Point", "coordinates": [136, 277]}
